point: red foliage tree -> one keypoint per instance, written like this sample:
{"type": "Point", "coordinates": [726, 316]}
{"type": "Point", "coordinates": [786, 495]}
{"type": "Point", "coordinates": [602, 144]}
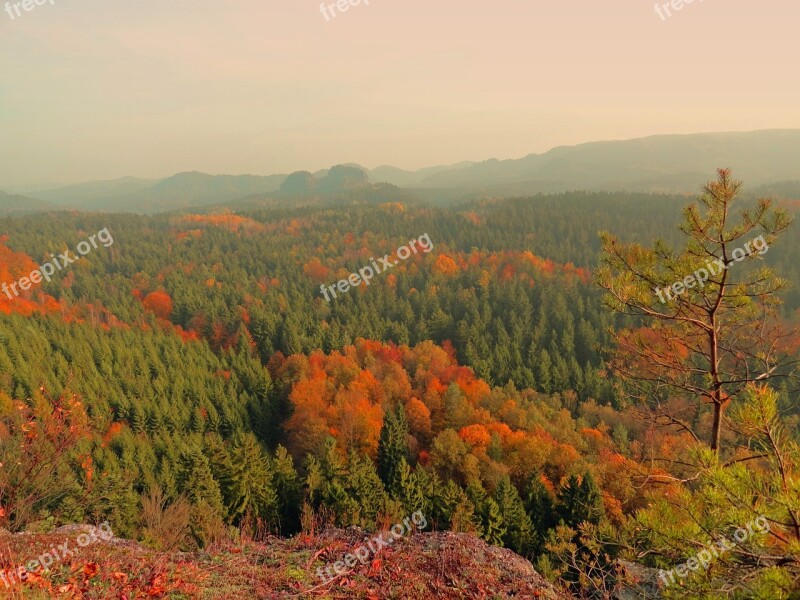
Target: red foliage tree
{"type": "Point", "coordinates": [158, 303]}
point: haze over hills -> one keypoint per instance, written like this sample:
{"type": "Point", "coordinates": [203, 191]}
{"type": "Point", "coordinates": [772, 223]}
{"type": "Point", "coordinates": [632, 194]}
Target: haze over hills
{"type": "Point", "coordinates": [180, 191]}
{"type": "Point", "coordinates": [667, 164]}
{"type": "Point", "coordinates": [188, 190]}
{"type": "Point", "coordinates": [673, 163]}
{"type": "Point", "coordinates": [15, 203]}
{"type": "Point", "coordinates": [83, 193]}
{"type": "Point", "coordinates": [403, 178]}
{"type": "Point", "coordinates": [783, 190]}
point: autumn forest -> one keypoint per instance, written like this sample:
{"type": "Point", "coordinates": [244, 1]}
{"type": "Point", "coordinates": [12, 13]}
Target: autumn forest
{"type": "Point", "coordinates": [521, 383]}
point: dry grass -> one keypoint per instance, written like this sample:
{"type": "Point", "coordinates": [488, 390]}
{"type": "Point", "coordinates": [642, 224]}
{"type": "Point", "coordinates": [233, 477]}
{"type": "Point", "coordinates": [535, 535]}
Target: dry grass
{"type": "Point", "coordinates": [165, 526]}
{"type": "Point", "coordinates": [424, 566]}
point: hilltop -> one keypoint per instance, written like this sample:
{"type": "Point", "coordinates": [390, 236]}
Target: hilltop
{"type": "Point", "coordinates": [15, 203]}
{"type": "Point", "coordinates": [669, 164]}
{"type": "Point", "coordinates": [429, 565]}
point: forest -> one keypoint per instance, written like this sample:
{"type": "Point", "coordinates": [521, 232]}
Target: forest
{"type": "Point", "coordinates": [519, 383]}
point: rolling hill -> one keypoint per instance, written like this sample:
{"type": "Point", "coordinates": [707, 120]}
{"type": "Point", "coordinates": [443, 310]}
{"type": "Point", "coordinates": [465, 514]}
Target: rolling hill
{"type": "Point", "coordinates": [13, 203]}
{"type": "Point", "coordinates": [82, 193]}
{"type": "Point", "coordinates": [657, 164]}
{"type": "Point", "coordinates": [667, 163]}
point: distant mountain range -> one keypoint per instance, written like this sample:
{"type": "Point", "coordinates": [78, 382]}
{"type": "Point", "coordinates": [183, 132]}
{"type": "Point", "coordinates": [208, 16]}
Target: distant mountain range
{"type": "Point", "coordinates": [666, 163]}
{"type": "Point", "coordinates": [784, 190]}
{"type": "Point", "coordinates": [85, 193]}
{"type": "Point", "coordinates": [339, 178]}
{"type": "Point", "coordinates": [13, 203]}
{"type": "Point", "coordinates": [766, 160]}
{"type": "Point", "coordinates": [181, 191]}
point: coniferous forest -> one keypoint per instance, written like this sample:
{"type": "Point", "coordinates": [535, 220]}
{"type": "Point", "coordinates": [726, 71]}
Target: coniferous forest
{"type": "Point", "coordinates": [190, 385]}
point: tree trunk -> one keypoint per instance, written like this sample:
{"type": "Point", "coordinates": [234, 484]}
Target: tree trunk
{"type": "Point", "coordinates": [717, 427]}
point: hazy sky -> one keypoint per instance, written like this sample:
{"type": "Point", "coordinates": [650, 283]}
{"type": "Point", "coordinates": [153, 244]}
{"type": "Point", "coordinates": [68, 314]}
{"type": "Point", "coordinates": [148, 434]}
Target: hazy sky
{"type": "Point", "coordinates": [99, 89]}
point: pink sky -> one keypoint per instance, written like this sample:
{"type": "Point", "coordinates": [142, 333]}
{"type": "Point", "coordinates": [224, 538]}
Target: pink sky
{"type": "Point", "coordinates": [99, 89]}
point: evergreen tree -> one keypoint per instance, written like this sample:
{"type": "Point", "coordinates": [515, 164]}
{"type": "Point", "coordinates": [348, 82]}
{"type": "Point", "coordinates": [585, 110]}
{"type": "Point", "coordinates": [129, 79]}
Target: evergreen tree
{"type": "Point", "coordinates": [518, 524]}
{"type": "Point", "coordinates": [288, 490]}
{"type": "Point", "coordinates": [464, 519]}
{"type": "Point", "coordinates": [494, 528]}
{"type": "Point", "coordinates": [409, 491]}
{"type": "Point", "coordinates": [197, 482]}
{"type": "Point", "coordinates": [250, 483]}
{"type": "Point", "coordinates": [393, 447]}
{"type": "Point", "coordinates": [365, 487]}
{"type": "Point", "coordinates": [728, 311]}
{"type": "Point", "coordinates": [444, 501]}
{"type": "Point", "coordinates": [542, 512]}
{"type": "Point", "coordinates": [579, 501]}
{"type": "Point", "coordinates": [332, 488]}
{"type": "Point", "coordinates": [477, 497]}
{"type": "Point", "coordinates": [221, 464]}
{"type": "Point", "coordinates": [544, 372]}
{"type": "Point", "coordinates": [313, 481]}
{"type": "Point", "coordinates": [476, 493]}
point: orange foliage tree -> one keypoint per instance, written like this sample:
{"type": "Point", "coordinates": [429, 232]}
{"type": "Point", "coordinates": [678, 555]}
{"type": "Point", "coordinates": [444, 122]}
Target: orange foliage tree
{"type": "Point", "coordinates": [13, 266]}
{"type": "Point", "coordinates": [158, 303]}
{"type": "Point", "coordinates": [37, 440]}
{"type": "Point", "coordinates": [345, 395]}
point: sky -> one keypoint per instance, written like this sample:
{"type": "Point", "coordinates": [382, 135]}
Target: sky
{"type": "Point", "coordinates": [101, 89]}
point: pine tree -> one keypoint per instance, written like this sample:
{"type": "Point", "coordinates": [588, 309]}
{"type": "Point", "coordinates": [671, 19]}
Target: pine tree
{"type": "Point", "coordinates": [409, 490]}
{"type": "Point", "coordinates": [542, 512]}
{"type": "Point", "coordinates": [286, 483]}
{"type": "Point", "coordinates": [138, 419]}
{"type": "Point", "coordinates": [580, 505]}
{"type": "Point", "coordinates": [197, 482]}
{"type": "Point", "coordinates": [332, 492]}
{"type": "Point", "coordinates": [580, 501]}
{"type": "Point", "coordinates": [727, 310]}
{"type": "Point", "coordinates": [392, 447]}
{"type": "Point", "coordinates": [313, 481]}
{"type": "Point", "coordinates": [442, 502]}
{"type": "Point", "coordinates": [197, 422]}
{"type": "Point", "coordinates": [365, 488]}
{"type": "Point", "coordinates": [518, 524]}
{"type": "Point", "coordinates": [464, 519]}
{"type": "Point", "coordinates": [254, 380]}
{"type": "Point", "coordinates": [476, 495]}
{"type": "Point", "coordinates": [494, 528]}
{"type": "Point", "coordinates": [428, 483]}
{"type": "Point", "coordinates": [250, 482]}
{"type": "Point", "coordinates": [219, 460]}
{"type": "Point", "coordinates": [544, 372]}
